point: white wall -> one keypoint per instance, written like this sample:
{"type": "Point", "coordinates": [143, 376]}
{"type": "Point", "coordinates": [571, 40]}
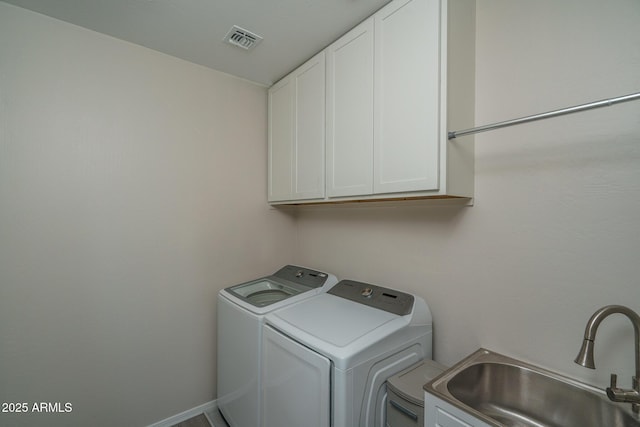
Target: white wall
{"type": "Point", "coordinates": [554, 233]}
{"type": "Point", "coordinates": [132, 188]}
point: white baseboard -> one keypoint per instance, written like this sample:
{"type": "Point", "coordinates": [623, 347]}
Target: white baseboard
{"type": "Point", "coordinates": [183, 416]}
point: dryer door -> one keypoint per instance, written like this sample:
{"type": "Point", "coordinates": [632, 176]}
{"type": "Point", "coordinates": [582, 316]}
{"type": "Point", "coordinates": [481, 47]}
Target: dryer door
{"type": "Point", "coordinates": [296, 387]}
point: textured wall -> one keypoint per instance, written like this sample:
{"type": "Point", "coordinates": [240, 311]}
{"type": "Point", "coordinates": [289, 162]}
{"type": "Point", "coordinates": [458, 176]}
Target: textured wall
{"type": "Point", "coordinates": [554, 231]}
{"type": "Point", "coordinates": [131, 191]}
{"type": "Point", "coordinates": [132, 188]}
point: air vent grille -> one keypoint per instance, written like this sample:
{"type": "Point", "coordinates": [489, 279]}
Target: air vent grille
{"type": "Point", "coordinates": [242, 38]}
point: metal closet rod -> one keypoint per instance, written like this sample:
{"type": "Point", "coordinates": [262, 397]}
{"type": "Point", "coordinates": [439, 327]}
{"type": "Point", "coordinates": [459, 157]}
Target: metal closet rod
{"type": "Point", "coordinates": [547, 115]}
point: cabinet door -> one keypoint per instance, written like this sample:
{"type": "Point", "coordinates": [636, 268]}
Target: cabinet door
{"type": "Point", "coordinates": [407, 109]}
{"type": "Point", "coordinates": [280, 180]}
{"type": "Point", "coordinates": [296, 133]}
{"type": "Point", "coordinates": [350, 113]}
{"type": "Point", "coordinates": [309, 110]}
{"type": "Point", "coordinates": [296, 382]}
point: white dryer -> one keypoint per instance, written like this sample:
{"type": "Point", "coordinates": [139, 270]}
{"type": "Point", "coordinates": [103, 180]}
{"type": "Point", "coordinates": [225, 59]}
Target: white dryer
{"type": "Point", "coordinates": [327, 358]}
{"type": "Point", "coordinates": [241, 311]}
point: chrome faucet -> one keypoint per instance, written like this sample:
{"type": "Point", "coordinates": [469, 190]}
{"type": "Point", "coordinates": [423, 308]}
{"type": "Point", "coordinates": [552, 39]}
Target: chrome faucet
{"type": "Point", "coordinates": [585, 356]}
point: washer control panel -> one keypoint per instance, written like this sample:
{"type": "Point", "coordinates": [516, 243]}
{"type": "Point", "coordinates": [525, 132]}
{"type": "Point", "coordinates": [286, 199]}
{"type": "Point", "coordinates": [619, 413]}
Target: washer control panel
{"type": "Point", "coordinates": [301, 275]}
{"type": "Point", "coordinates": [390, 300]}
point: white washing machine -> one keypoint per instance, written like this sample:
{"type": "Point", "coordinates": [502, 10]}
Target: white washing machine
{"type": "Point", "coordinates": [326, 359]}
{"type": "Point", "coordinates": [241, 311]}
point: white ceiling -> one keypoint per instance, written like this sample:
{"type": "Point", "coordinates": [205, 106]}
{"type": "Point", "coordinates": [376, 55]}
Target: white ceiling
{"type": "Point", "coordinates": [293, 30]}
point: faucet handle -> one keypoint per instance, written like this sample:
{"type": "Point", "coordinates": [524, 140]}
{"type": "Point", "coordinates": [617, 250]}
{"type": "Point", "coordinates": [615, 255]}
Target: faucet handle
{"type": "Point", "coordinates": [614, 381]}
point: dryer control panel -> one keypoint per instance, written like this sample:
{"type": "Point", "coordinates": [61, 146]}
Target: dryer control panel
{"type": "Point", "coordinates": [386, 299]}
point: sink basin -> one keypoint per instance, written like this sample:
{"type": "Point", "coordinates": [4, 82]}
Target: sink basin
{"type": "Point", "coordinates": [502, 391]}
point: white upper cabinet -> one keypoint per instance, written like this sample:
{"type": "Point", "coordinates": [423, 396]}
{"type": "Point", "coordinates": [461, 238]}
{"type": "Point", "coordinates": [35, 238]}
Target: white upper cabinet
{"type": "Point", "coordinates": [350, 113]}
{"type": "Point", "coordinates": [296, 134]}
{"type": "Point", "coordinates": [395, 85]}
{"type": "Point", "coordinates": [280, 141]}
{"type": "Point", "coordinates": [309, 140]}
{"type": "Point", "coordinates": [407, 90]}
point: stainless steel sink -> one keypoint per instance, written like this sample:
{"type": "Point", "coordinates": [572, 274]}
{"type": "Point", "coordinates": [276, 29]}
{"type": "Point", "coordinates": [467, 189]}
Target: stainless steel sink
{"type": "Point", "coordinates": [503, 391]}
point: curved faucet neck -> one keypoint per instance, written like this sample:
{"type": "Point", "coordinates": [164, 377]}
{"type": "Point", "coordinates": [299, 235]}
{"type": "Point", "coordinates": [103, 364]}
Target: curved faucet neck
{"type": "Point", "coordinates": [600, 315]}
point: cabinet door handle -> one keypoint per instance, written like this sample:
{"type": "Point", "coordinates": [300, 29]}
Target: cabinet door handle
{"type": "Point", "coordinates": [404, 410]}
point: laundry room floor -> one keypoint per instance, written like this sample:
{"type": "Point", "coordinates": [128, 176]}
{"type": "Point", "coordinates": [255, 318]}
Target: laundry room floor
{"type": "Point", "coordinates": [197, 421]}
{"type": "Point", "coordinates": [211, 418]}
{"type": "Point", "coordinates": [215, 418]}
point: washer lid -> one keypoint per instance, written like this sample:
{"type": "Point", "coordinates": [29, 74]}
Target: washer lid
{"type": "Point", "coordinates": [285, 283]}
{"type": "Point", "coordinates": [330, 319]}
{"type": "Point", "coordinates": [351, 329]}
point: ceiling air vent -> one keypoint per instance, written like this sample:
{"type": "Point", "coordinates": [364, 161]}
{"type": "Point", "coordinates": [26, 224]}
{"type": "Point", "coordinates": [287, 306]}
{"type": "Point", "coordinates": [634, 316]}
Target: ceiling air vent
{"type": "Point", "coordinates": [242, 38]}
